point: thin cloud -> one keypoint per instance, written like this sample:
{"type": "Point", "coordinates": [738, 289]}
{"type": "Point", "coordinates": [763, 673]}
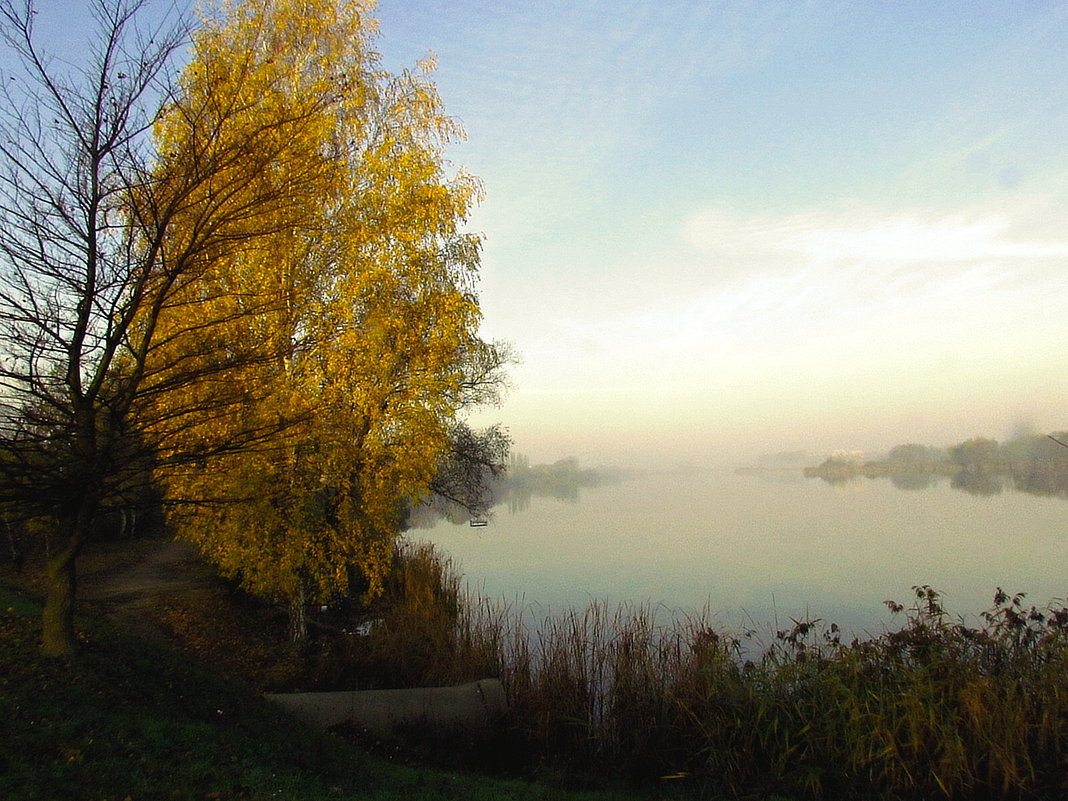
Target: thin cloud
{"type": "Point", "coordinates": [904, 237]}
{"type": "Point", "coordinates": [842, 286]}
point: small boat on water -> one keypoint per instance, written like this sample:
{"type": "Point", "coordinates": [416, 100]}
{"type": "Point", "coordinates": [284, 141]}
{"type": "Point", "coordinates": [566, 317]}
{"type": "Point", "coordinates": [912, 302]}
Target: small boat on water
{"type": "Point", "coordinates": [479, 523]}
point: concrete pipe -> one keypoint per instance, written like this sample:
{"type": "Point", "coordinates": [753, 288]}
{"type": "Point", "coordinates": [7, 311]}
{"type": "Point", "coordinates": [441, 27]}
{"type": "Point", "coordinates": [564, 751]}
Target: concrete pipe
{"type": "Point", "coordinates": [474, 709]}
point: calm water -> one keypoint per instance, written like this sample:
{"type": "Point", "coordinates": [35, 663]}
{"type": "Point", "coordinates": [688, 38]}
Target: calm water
{"type": "Point", "coordinates": [756, 549]}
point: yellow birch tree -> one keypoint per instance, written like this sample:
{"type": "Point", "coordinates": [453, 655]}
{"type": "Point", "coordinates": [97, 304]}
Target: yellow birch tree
{"type": "Point", "coordinates": [364, 303]}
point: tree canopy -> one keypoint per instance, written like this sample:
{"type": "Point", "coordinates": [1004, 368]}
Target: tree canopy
{"type": "Point", "coordinates": [369, 304]}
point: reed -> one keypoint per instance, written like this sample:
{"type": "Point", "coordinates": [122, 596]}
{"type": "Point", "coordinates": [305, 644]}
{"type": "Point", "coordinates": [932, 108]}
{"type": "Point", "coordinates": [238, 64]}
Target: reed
{"type": "Point", "coordinates": [935, 708]}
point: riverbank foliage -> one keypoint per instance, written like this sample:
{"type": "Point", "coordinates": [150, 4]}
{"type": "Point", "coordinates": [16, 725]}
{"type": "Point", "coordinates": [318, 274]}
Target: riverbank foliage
{"type": "Point", "coordinates": [938, 708]}
{"type": "Point", "coordinates": [605, 697]}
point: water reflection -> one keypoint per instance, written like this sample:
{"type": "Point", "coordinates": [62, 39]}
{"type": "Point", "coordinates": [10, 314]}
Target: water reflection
{"type": "Point", "coordinates": [566, 480]}
{"type": "Point", "coordinates": [1044, 482]}
{"type": "Point", "coordinates": [758, 548]}
{"type": "Point", "coordinates": [914, 481]}
{"type": "Point", "coordinates": [977, 482]}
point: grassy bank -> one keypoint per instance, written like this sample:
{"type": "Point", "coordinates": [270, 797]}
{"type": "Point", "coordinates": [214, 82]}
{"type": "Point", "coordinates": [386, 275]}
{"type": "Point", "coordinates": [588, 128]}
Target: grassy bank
{"type": "Point", "coordinates": [134, 719]}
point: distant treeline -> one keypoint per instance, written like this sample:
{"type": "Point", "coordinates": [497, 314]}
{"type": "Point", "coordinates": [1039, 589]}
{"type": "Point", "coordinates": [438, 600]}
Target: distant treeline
{"type": "Point", "coordinates": [522, 481]}
{"type": "Point", "coordinates": [561, 480]}
{"type": "Point", "coordinates": [1036, 463]}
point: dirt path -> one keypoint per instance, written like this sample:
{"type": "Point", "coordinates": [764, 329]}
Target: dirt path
{"type": "Point", "coordinates": [131, 591]}
{"type": "Point", "coordinates": [165, 590]}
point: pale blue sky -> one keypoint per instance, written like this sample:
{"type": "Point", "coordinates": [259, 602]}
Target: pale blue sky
{"type": "Point", "coordinates": [715, 229]}
{"type": "Point", "coordinates": [733, 227]}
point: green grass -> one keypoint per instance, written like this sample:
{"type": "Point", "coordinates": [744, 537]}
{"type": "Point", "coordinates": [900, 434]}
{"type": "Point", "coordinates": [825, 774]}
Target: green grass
{"type": "Point", "coordinates": [134, 719]}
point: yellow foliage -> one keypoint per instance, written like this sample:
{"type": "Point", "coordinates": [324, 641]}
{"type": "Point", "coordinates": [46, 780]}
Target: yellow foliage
{"type": "Point", "coordinates": [353, 283]}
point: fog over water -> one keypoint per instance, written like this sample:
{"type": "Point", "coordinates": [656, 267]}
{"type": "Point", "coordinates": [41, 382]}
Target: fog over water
{"type": "Point", "coordinates": [756, 549]}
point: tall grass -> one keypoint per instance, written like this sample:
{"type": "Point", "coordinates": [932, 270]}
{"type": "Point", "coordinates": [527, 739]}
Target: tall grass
{"type": "Point", "coordinates": [935, 709]}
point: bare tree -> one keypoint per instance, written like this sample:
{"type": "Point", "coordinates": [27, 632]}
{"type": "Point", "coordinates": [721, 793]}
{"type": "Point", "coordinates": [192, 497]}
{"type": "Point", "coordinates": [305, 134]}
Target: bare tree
{"type": "Point", "coordinates": [101, 238]}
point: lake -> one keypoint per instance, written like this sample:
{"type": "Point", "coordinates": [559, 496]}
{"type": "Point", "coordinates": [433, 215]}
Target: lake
{"type": "Point", "coordinates": [757, 549]}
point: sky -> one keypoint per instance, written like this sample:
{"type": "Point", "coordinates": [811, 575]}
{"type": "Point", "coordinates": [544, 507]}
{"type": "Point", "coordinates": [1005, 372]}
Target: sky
{"type": "Point", "coordinates": [718, 229]}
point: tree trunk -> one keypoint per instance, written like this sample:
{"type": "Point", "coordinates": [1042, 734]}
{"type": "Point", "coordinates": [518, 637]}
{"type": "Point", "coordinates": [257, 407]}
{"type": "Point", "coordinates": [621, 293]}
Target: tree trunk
{"type": "Point", "coordinates": [57, 634]}
{"type": "Point", "coordinates": [298, 617]}
{"type": "Point", "coordinates": [57, 620]}
{"type": "Point", "coordinates": [15, 545]}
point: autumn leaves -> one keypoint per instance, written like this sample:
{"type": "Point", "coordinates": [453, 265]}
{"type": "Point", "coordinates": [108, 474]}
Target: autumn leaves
{"type": "Point", "coordinates": [366, 292]}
